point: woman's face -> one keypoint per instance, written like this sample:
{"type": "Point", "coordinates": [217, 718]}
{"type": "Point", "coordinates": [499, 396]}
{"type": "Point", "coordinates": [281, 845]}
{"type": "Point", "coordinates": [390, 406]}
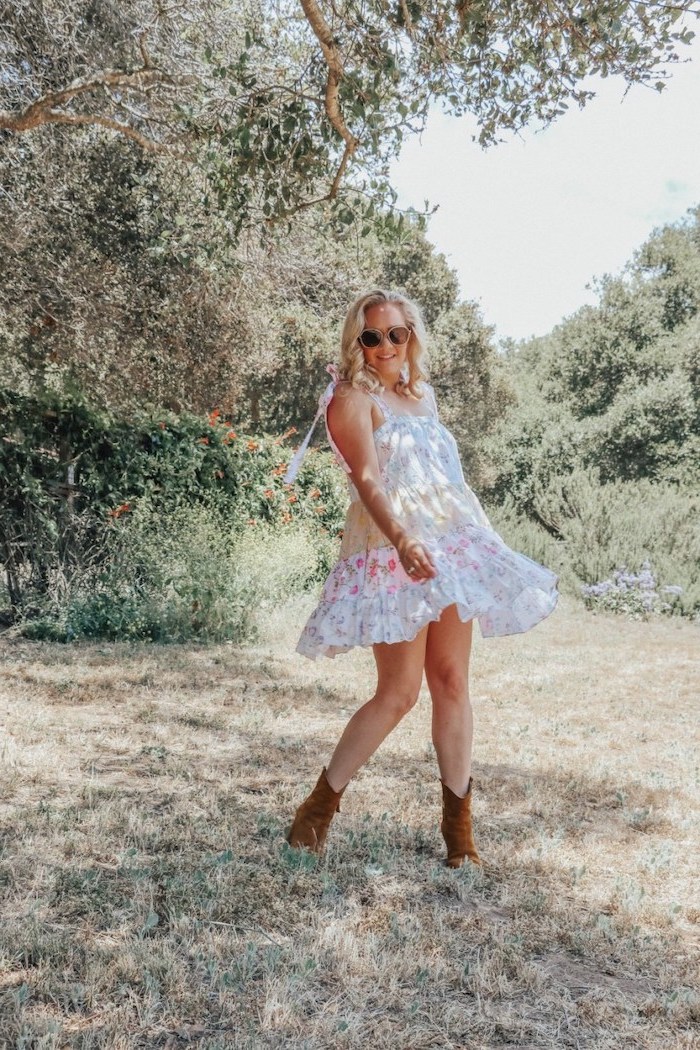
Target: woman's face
{"type": "Point", "coordinates": [387, 358]}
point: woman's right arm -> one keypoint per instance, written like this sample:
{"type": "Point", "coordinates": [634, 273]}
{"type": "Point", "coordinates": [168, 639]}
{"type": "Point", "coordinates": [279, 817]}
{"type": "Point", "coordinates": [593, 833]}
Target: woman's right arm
{"type": "Point", "coordinates": [350, 423]}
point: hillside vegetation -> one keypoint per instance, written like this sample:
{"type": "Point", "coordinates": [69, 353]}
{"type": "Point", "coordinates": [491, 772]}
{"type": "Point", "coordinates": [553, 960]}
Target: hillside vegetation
{"type": "Point", "coordinates": [601, 451]}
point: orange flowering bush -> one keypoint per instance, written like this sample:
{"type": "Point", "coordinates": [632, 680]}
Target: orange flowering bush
{"type": "Point", "coordinates": [118, 511]}
{"type": "Point", "coordinates": [283, 437]}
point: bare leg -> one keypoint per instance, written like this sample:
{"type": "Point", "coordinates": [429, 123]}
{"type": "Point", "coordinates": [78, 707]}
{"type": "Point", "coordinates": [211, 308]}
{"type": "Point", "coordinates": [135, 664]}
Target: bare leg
{"type": "Point", "coordinates": [447, 654]}
{"type": "Point", "coordinates": [400, 673]}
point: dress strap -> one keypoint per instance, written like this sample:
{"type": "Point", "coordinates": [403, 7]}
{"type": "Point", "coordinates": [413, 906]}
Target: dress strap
{"type": "Point", "coordinates": [389, 411]}
{"type": "Point", "coordinates": [323, 402]}
{"type": "Point", "coordinates": [383, 404]}
{"type": "Point", "coordinates": [432, 399]}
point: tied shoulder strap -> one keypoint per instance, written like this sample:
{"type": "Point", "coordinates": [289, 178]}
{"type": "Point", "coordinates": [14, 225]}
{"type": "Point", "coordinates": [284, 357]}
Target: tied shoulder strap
{"type": "Point", "coordinates": [296, 460]}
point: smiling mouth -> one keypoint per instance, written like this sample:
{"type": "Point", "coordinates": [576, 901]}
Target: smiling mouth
{"type": "Point", "coordinates": [386, 357]}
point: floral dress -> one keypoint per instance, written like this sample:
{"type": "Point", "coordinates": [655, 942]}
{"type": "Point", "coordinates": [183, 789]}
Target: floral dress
{"type": "Point", "coordinates": [368, 597]}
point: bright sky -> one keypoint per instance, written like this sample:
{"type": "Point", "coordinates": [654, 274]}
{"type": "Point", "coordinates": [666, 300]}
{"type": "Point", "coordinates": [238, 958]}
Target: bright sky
{"type": "Point", "coordinates": [528, 223]}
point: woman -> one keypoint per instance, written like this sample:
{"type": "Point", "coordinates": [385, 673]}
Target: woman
{"type": "Point", "coordinates": [419, 561]}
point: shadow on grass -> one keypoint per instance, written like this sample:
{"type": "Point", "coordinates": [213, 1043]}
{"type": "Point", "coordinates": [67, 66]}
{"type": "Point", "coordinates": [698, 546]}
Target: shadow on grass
{"type": "Point", "coordinates": [159, 878]}
{"type": "Point", "coordinates": [167, 894]}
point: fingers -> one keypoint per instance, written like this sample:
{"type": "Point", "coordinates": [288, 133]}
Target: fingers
{"type": "Point", "coordinates": [426, 572]}
{"type": "Point", "coordinates": [417, 561]}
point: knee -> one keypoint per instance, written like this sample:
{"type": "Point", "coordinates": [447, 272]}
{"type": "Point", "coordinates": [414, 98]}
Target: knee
{"type": "Point", "coordinates": [398, 700]}
{"type": "Point", "coordinates": [450, 686]}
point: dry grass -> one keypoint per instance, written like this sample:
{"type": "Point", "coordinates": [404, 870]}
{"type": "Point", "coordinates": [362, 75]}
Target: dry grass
{"type": "Point", "coordinates": [149, 898]}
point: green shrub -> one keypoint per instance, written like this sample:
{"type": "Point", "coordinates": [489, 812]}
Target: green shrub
{"type": "Point", "coordinates": [586, 532]}
{"type": "Point", "coordinates": [603, 527]}
{"type": "Point", "coordinates": [648, 432]}
{"type": "Point", "coordinates": [69, 472]}
{"type": "Point", "coordinates": [532, 445]}
{"type": "Point", "coordinates": [187, 576]}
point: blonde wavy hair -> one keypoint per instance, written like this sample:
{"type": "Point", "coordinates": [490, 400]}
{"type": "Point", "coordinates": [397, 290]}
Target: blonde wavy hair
{"type": "Point", "coordinates": [353, 366]}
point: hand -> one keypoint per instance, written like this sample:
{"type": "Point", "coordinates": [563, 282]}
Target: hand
{"type": "Point", "coordinates": [416, 559]}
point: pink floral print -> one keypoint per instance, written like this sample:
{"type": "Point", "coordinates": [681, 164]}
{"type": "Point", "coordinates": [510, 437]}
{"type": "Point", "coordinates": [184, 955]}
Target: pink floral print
{"type": "Point", "coordinates": [368, 597]}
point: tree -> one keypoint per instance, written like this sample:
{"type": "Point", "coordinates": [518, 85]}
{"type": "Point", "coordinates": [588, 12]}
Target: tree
{"type": "Point", "coordinates": [285, 105]}
{"type": "Point", "coordinates": [614, 389]}
{"type": "Point", "coordinates": [411, 263]}
{"type": "Point", "coordinates": [624, 338]}
{"type": "Point", "coordinates": [472, 389]}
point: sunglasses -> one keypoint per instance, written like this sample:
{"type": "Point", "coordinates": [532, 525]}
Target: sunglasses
{"type": "Point", "coordinates": [371, 338]}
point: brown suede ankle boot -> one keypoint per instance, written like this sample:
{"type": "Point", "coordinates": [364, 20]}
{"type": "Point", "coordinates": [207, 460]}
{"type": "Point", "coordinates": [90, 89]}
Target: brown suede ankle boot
{"type": "Point", "coordinates": [314, 815]}
{"type": "Point", "coordinates": [456, 827]}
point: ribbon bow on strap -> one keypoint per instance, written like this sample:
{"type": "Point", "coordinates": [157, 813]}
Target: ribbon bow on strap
{"type": "Point", "coordinates": [295, 463]}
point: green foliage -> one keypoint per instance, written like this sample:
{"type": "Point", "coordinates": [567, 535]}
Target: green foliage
{"type": "Point", "coordinates": [533, 444]}
{"type": "Point", "coordinates": [71, 474]}
{"type": "Point", "coordinates": [649, 432]}
{"type": "Point", "coordinates": [635, 333]}
{"type": "Point", "coordinates": [280, 108]}
{"type": "Point", "coordinates": [307, 340]}
{"type": "Point", "coordinates": [586, 531]}
{"type": "Point", "coordinates": [189, 575]}
{"type": "Point", "coordinates": [143, 312]}
{"type": "Point", "coordinates": [628, 523]}
{"type": "Point", "coordinates": [601, 451]}
{"type": "Point", "coordinates": [412, 265]}
{"type": "Point", "coordinates": [271, 149]}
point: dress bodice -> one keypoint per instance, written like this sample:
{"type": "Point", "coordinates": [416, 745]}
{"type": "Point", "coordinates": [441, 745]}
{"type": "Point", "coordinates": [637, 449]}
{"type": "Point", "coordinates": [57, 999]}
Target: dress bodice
{"type": "Point", "coordinates": [416, 450]}
{"type": "Point", "coordinates": [413, 450]}
{"type": "Point", "coordinates": [421, 473]}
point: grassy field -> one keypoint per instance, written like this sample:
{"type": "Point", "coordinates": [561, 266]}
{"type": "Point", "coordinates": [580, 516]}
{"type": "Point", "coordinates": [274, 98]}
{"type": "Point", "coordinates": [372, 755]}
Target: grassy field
{"type": "Point", "coordinates": [149, 898]}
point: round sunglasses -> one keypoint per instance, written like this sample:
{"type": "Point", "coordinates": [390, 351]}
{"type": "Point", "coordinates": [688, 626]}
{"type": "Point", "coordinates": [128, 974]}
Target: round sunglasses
{"type": "Point", "coordinates": [371, 338]}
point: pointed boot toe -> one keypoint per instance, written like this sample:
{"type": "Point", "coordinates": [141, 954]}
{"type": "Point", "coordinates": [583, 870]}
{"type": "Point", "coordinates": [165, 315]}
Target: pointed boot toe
{"type": "Point", "coordinates": [312, 819]}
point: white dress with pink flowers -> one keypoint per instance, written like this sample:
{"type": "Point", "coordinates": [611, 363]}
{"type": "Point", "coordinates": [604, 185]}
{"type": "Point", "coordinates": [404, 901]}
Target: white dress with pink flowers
{"type": "Point", "coordinates": [368, 597]}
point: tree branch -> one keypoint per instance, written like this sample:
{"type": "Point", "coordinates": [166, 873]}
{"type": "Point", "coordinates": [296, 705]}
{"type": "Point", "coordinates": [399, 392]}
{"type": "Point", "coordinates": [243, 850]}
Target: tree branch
{"type": "Point", "coordinates": [408, 23]}
{"type": "Point", "coordinates": [60, 117]}
{"type": "Point", "coordinates": [44, 109]}
{"type": "Point", "coordinates": [332, 55]}
{"type": "Point", "coordinates": [347, 153]}
{"type": "Point", "coordinates": [331, 195]}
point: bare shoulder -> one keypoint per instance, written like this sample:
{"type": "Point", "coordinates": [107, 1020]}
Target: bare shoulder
{"type": "Point", "coordinates": [349, 424]}
{"type": "Point", "coordinates": [349, 400]}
